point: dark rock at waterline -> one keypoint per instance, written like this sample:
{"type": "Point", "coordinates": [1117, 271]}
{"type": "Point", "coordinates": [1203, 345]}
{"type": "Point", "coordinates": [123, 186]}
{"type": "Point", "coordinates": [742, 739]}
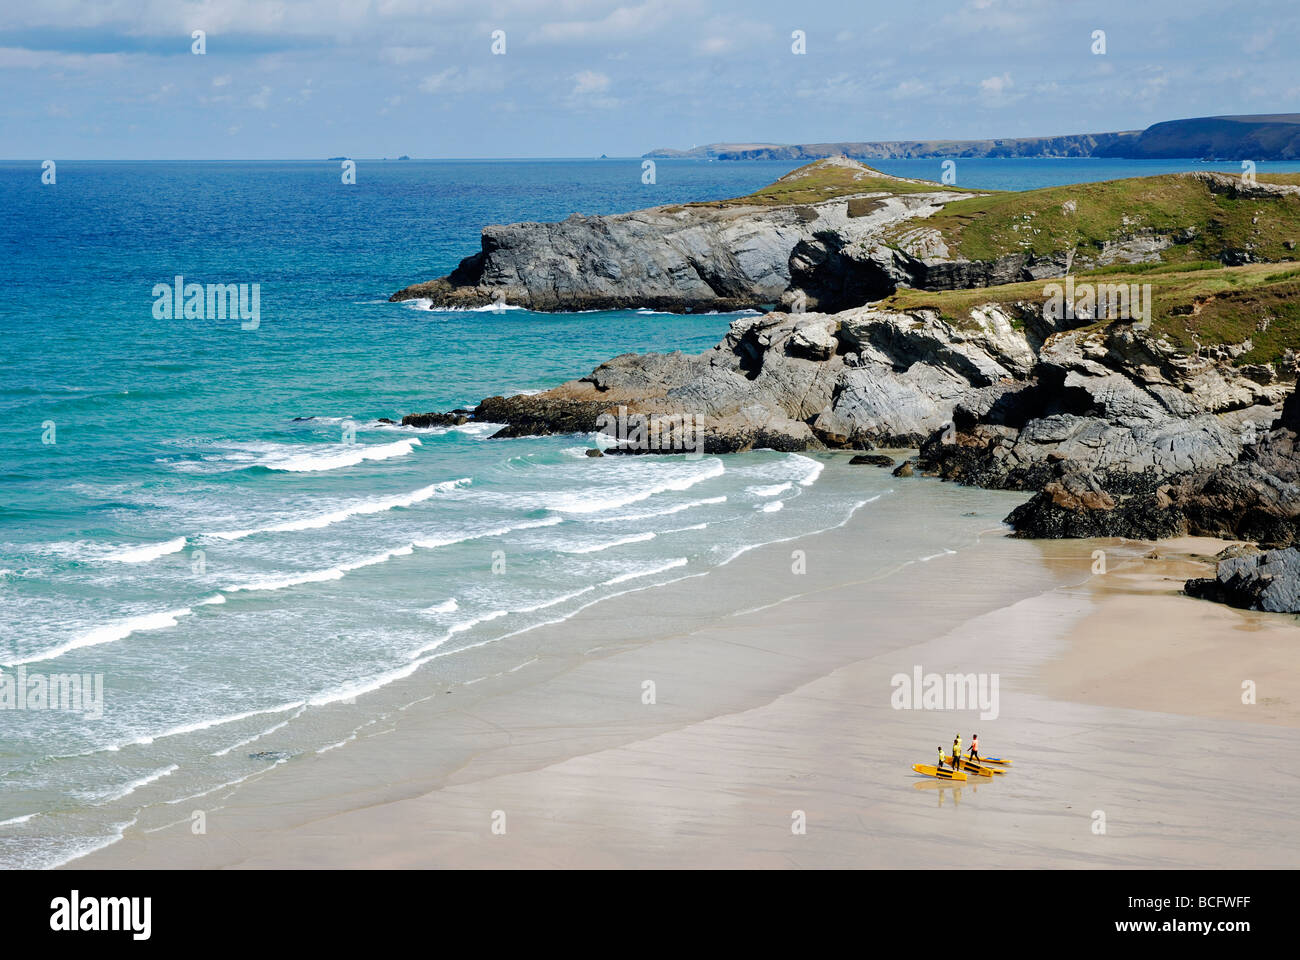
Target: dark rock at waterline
{"type": "Point", "coordinates": [872, 460]}
{"type": "Point", "coordinates": [1264, 581]}
{"type": "Point", "coordinates": [1254, 498]}
{"type": "Point", "coordinates": [539, 415]}
{"type": "Point", "coordinates": [422, 420]}
{"type": "Point", "coordinates": [387, 420]}
{"type": "Point", "coordinates": [1079, 503]}
{"type": "Point", "coordinates": [905, 469]}
{"type": "Point", "coordinates": [593, 452]}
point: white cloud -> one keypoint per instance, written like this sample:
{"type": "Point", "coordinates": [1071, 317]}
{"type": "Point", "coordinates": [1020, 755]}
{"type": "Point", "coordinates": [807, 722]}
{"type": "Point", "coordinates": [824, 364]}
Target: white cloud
{"type": "Point", "coordinates": [221, 81]}
{"type": "Point", "coordinates": [22, 59]}
{"type": "Point", "coordinates": [437, 81]}
{"type": "Point", "coordinates": [589, 82]}
{"type": "Point", "coordinates": [620, 23]}
{"type": "Point", "coordinates": [996, 86]}
{"type": "Point", "coordinates": [910, 89]}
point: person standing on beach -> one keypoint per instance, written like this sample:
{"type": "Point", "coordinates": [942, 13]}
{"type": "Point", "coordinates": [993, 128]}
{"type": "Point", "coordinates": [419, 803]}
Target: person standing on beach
{"type": "Point", "coordinates": [975, 747]}
{"type": "Point", "coordinates": [956, 752]}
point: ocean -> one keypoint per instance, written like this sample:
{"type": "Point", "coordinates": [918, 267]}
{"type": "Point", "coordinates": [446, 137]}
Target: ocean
{"type": "Point", "coordinates": [206, 520]}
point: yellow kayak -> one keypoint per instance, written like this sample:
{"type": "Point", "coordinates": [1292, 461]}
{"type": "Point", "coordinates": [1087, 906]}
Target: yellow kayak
{"type": "Point", "coordinates": [976, 768]}
{"type": "Point", "coordinates": [936, 772]}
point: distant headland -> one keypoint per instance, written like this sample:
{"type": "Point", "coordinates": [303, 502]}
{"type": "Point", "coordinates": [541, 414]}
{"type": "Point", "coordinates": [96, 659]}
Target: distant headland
{"type": "Point", "coordinates": [1255, 137]}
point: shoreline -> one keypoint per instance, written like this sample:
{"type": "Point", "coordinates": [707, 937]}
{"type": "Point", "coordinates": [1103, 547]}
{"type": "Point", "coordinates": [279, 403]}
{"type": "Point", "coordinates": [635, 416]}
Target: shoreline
{"type": "Point", "coordinates": [783, 707]}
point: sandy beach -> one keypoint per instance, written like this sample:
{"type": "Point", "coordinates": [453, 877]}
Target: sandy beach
{"type": "Point", "coordinates": [772, 741]}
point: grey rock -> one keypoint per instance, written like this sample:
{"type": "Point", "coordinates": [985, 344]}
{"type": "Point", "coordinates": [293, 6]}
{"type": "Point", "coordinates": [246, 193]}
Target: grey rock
{"type": "Point", "coordinates": [683, 259]}
{"type": "Point", "coordinates": [1263, 581]}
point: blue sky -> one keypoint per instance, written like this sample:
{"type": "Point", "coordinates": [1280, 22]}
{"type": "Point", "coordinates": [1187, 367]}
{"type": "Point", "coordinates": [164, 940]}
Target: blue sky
{"type": "Point", "coordinates": [116, 79]}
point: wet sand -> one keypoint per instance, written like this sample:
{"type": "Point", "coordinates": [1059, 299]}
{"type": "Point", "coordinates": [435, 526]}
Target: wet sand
{"type": "Point", "coordinates": [1119, 702]}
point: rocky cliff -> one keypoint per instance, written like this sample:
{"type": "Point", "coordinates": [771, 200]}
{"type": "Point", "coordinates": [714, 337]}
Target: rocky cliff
{"type": "Point", "coordinates": [1070, 145]}
{"type": "Point", "coordinates": [837, 234]}
{"type": "Point", "coordinates": [723, 256]}
{"type": "Point", "coordinates": [1147, 397]}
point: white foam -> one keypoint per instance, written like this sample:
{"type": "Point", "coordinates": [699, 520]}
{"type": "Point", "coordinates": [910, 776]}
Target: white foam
{"type": "Point", "coordinates": [339, 455]}
{"type": "Point", "coordinates": [14, 821]}
{"type": "Point", "coordinates": [477, 429]}
{"type": "Point", "coordinates": [148, 552]}
{"type": "Point", "coordinates": [255, 737]}
{"type": "Point", "coordinates": [460, 628]}
{"type": "Point", "coordinates": [697, 526]}
{"type": "Point", "coordinates": [86, 849]}
{"type": "Point", "coordinates": [433, 544]}
{"type": "Point", "coordinates": [297, 457]}
{"type": "Point", "coordinates": [558, 600]}
{"type": "Point", "coordinates": [320, 576]}
{"type": "Point", "coordinates": [675, 508]}
{"type": "Point", "coordinates": [608, 544]}
{"type": "Point", "coordinates": [197, 725]}
{"type": "Point", "coordinates": [774, 490]}
{"type": "Point", "coordinates": [353, 690]}
{"type": "Point", "coordinates": [109, 632]}
{"type": "Point", "coordinates": [335, 746]}
{"type": "Point", "coordinates": [934, 556]}
{"type": "Point", "coordinates": [811, 533]}
{"type": "Point", "coordinates": [623, 578]}
{"type": "Point", "coordinates": [773, 506]}
{"type": "Point", "coordinates": [447, 606]}
{"type": "Point", "coordinates": [584, 502]}
{"type": "Point", "coordinates": [144, 781]}
{"type": "Point", "coordinates": [361, 507]}
{"type": "Point", "coordinates": [814, 469]}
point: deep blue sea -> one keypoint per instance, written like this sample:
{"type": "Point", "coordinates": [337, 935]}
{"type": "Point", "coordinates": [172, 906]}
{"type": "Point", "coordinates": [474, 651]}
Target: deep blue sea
{"type": "Point", "coordinates": [211, 520]}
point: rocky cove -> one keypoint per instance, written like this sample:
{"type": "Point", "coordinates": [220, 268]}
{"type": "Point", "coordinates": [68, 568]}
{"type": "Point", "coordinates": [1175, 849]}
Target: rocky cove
{"type": "Point", "coordinates": [904, 314]}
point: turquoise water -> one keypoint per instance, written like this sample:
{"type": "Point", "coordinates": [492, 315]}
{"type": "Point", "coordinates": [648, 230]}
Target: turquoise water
{"type": "Point", "coordinates": [221, 528]}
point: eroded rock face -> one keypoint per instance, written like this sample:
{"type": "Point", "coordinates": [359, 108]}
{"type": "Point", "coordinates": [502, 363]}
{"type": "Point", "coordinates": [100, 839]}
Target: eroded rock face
{"type": "Point", "coordinates": [682, 259]}
{"type": "Point", "coordinates": [1254, 497]}
{"type": "Point", "coordinates": [1004, 400]}
{"type": "Point", "coordinates": [859, 379]}
{"type": "Point", "coordinates": [1111, 401]}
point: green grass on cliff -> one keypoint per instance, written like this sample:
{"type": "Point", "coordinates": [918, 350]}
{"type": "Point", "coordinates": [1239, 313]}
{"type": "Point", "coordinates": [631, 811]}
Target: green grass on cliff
{"type": "Point", "coordinates": [1206, 304]}
{"type": "Point", "coordinates": [1084, 216]}
{"type": "Point", "coordinates": [823, 180]}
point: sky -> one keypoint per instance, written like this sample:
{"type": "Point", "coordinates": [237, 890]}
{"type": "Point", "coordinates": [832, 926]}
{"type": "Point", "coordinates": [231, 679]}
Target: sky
{"type": "Point", "coordinates": [281, 79]}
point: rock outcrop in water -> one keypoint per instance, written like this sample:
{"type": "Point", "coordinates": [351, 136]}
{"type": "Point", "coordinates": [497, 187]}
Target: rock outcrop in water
{"type": "Point", "coordinates": [1263, 581]}
{"type": "Point", "coordinates": [858, 379]}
